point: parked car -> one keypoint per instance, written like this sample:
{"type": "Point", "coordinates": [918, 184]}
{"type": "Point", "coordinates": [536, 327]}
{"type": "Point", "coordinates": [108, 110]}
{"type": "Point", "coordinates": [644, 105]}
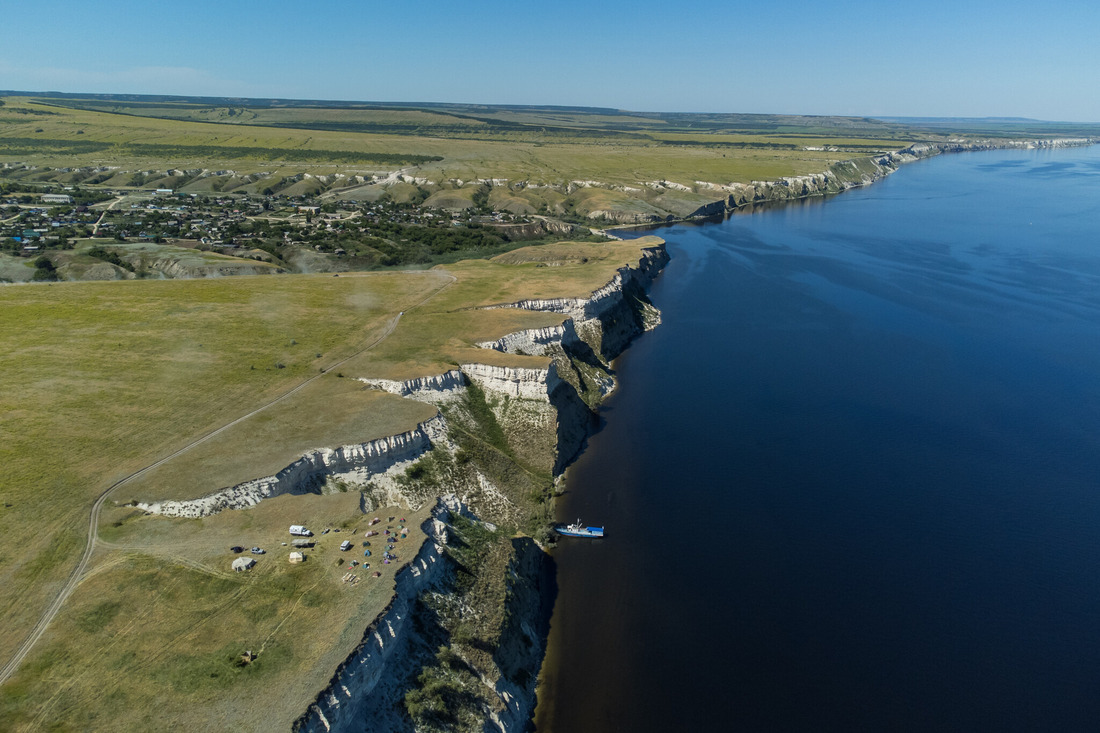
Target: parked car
{"type": "Point", "coordinates": [258, 551]}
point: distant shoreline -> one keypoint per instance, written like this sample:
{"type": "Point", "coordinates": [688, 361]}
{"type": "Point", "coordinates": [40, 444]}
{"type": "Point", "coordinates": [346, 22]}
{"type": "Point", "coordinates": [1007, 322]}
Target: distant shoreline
{"type": "Point", "coordinates": [780, 191]}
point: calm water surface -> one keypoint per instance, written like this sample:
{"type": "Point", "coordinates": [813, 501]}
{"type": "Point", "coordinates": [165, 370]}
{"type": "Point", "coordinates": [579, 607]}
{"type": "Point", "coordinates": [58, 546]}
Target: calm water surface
{"type": "Point", "coordinates": [853, 481]}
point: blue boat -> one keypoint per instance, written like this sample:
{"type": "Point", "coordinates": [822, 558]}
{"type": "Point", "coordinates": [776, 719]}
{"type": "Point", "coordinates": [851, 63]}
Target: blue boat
{"type": "Point", "coordinates": [578, 530]}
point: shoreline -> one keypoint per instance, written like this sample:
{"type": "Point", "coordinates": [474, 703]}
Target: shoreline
{"type": "Point", "coordinates": [934, 179]}
{"type": "Point", "coordinates": [717, 217]}
{"type": "Point", "coordinates": [598, 326]}
{"type": "Point", "coordinates": [827, 183]}
{"type": "Point", "coordinates": [523, 703]}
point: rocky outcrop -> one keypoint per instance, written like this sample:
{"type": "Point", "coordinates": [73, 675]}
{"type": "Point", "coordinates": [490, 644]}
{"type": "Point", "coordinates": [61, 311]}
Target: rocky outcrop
{"type": "Point", "coordinates": [536, 340]}
{"type": "Point", "coordinates": [393, 648]}
{"type": "Point", "coordinates": [426, 389]}
{"type": "Point", "coordinates": [520, 382]}
{"type": "Point", "coordinates": [357, 463]}
{"type": "Point", "coordinates": [531, 589]}
{"type": "Point", "coordinates": [595, 330]}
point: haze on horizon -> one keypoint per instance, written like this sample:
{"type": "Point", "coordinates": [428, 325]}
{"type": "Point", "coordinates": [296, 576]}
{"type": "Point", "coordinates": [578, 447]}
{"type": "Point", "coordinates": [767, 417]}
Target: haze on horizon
{"type": "Point", "coordinates": [932, 59]}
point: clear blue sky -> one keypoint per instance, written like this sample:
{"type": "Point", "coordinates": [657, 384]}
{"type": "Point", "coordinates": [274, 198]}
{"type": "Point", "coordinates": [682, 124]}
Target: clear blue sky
{"type": "Point", "coordinates": [966, 59]}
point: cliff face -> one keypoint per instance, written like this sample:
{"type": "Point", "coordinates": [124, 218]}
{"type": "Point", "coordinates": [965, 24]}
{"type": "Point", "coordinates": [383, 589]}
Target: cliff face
{"type": "Point", "coordinates": [541, 418]}
{"type": "Point", "coordinates": [545, 416]}
{"type": "Point", "coordinates": [851, 174]}
{"type": "Point", "coordinates": [370, 461]}
{"type": "Point", "coordinates": [596, 330]}
{"type": "Point", "coordinates": [427, 389]}
{"type": "Point", "coordinates": [606, 320]}
{"type": "Point", "coordinates": [535, 340]}
{"type": "Point", "coordinates": [385, 645]}
{"type": "Point", "coordinates": [520, 382]}
{"type": "Point", "coordinates": [531, 591]}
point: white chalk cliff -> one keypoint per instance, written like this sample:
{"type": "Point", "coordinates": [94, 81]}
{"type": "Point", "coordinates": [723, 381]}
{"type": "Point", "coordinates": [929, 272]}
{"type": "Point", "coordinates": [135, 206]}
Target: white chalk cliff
{"type": "Point", "coordinates": [539, 400]}
{"type": "Point", "coordinates": [358, 463]}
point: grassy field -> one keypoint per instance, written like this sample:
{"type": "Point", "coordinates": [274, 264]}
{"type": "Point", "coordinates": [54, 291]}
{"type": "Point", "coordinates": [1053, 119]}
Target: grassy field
{"type": "Point", "coordinates": [549, 147]}
{"type": "Point", "coordinates": [153, 640]}
{"type": "Point", "coordinates": [106, 377]}
{"type": "Point", "coordinates": [111, 376]}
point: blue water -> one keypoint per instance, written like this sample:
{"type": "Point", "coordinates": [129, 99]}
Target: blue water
{"type": "Point", "coordinates": [852, 483]}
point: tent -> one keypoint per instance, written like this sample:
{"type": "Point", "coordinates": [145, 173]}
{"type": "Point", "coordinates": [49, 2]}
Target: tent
{"type": "Point", "coordinates": [243, 563]}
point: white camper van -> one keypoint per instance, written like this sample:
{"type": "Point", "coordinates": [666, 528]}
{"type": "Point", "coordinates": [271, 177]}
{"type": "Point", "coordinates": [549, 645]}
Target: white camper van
{"type": "Point", "coordinates": [300, 531]}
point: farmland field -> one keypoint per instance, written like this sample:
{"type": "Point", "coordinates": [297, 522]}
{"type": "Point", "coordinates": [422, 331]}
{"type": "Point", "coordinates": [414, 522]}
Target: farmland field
{"type": "Point", "coordinates": [536, 145]}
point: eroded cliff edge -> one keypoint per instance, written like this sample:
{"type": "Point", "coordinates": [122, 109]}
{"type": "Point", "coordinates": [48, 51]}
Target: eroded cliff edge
{"type": "Point", "coordinates": [838, 177]}
{"type": "Point", "coordinates": [460, 645]}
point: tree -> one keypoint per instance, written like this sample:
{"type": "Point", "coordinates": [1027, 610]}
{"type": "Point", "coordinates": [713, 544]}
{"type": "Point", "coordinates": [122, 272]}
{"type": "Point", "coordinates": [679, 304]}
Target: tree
{"type": "Point", "coordinates": [44, 269]}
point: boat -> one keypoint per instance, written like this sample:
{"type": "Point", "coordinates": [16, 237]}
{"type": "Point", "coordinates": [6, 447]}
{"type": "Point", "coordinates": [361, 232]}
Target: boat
{"type": "Point", "coordinates": [578, 530]}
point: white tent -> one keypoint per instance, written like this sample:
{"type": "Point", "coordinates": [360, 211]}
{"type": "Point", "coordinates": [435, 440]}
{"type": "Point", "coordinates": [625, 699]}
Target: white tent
{"type": "Point", "coordinates": [297, 557]}
{"type": "Point", "coordinates": [243, 563]}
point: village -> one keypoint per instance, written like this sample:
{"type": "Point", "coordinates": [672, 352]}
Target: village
{"type": "Point", "coordinates": [291, 232]}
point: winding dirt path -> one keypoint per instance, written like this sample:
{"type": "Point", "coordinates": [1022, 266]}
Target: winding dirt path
{"type": "Point", "coordinates": [77, 573]}
{"type": "Point", "coordinates": [95, 227]}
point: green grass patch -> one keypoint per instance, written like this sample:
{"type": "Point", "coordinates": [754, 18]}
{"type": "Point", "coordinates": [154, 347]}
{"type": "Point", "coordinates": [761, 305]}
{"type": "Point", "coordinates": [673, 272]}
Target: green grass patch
{"type": "Point", "coordinates": [487, 427]}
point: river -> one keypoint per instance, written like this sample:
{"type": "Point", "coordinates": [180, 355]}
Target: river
{"type": "Point", "coordinates": [851, 482]}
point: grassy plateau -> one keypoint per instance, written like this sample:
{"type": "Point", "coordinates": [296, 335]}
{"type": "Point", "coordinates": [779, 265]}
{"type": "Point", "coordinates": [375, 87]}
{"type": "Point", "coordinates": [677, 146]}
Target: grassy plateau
{"type": "Point", "coordinates": [103, 379]}
{"type": "Point", "coordinates": [111, 376]}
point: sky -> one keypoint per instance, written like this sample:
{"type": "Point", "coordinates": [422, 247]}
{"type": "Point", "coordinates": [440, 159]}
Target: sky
{"type": "Point", "coordinates": [978, 58]}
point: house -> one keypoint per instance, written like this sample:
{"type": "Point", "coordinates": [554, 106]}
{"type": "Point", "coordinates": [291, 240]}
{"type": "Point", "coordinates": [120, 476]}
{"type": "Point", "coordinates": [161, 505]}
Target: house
{"type": "Point", "coordinates": [56, 198]}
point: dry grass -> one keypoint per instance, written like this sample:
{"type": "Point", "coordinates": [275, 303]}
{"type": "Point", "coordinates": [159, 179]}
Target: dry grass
{"type": "Point", "coordinates": [152, 639]}
{"type": "Point", "coordinates": [112, 376]}
{"type": "Point", "coordinates": [523, 156]}
{"type": "Point", "coordinates": [328, 413]}
{"type": "Point", "coordinates": [106, 377]}
{"type": "Point", "coordinates": [442, 334]}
